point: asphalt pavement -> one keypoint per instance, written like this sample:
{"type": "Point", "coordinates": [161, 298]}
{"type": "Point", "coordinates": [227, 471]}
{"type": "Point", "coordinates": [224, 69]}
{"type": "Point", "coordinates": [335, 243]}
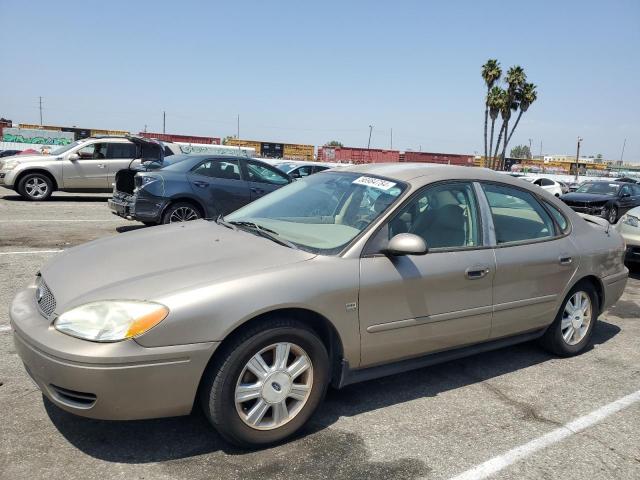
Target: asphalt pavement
{"type": "Point", "coordinates": [511, 407]}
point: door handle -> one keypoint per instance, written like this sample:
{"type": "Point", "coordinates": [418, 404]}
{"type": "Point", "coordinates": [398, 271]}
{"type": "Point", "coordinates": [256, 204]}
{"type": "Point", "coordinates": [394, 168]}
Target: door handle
{"type": "Point", "coordinates": [476, 272]}
{"type": "Point", "coordinates": [101, 165]}
{"type": "Point", "coordinates": [565, 260]}
{"type": "Point", "coordinates": [257, 190]}
{"type": "Point", "coordinates": [200, 184]}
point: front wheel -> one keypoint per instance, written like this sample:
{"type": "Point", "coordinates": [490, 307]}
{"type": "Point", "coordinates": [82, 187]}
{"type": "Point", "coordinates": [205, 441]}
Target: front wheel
{"type": "Point", "coordinates": [266, 384]}
{"type": "Point", "coordinates": [612, 214]}
{"type": "Point", "coordinates": [35, 186]}
{"type": "Point", "coordinates": [570, 332]}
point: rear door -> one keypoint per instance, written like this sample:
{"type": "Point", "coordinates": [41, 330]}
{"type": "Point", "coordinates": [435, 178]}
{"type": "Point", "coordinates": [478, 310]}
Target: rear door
{"type": "Point", "coordinates": [263, 178]}
{"type": "Point", "coordinates": [119, 157]}
{"type": "Point", "coordinates": [627, 199]}
{"type": "Point", "coordinates": [89, 170]}
{"type": "Point", "coordinates": [535, 259]}
{"type": "Point", "coordinates": [219, 185]}
{"type": "Point", "coordinates": [411, 305]}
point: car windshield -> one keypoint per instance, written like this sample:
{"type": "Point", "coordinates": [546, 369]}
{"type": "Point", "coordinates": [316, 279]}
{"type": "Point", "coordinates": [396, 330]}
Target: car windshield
{"type": "Point", "coordinates": [286, 167]}
{"type": "Point", "coordinates": [66, 148]}
{"type": "Point", "coordinates": [322, 213]}
{"type": "Point", "coordinates": [601, 188]}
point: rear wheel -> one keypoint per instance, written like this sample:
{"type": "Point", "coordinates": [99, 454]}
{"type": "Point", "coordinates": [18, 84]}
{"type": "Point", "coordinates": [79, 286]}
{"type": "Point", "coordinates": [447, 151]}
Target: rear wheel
{"type": "Point", "coordinates": [35, 186]}
{"type": "Point", "coordinates": [181, 212]}
{"type": "Point", "coordinates": [571, 330]}
{"type": "Point", "coordinates": [266, 384]}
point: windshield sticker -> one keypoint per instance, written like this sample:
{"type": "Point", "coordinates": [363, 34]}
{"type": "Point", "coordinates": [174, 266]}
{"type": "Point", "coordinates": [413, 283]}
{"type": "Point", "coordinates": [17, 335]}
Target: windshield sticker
{"type": "Point", "coordinates": [374, 182]}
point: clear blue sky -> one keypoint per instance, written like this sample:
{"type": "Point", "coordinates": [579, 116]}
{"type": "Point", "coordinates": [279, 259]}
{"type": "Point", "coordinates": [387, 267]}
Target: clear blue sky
{"type": "Point", "coordinates": [310, 72]}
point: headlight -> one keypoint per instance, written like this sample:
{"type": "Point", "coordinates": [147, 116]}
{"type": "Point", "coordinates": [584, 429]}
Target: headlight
{"type": "Point", "coordinates": [631, 220]}
{"type": "Point", "coordinates": [111, 320]}
{"type": "Point", "coordinates": [10, 164]}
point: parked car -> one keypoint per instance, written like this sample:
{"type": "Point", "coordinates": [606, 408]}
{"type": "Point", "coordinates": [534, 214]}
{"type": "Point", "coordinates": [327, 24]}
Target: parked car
{"type": "Point", "coordinates": [301, 169]}
{"type": "Point", "coordinates": [563, 186]}
{"type": "Point", "coordinates": [254, 315]}
{"type": "Point", "coordinates": [629, 228]}
{"type": "Point", "coordinates": [193, 187]}
{"type": "Point", "coordinates": [573, 186]}
{"type": "Point", "coordinates": [605, 199]}
{"type": "Point", "coordinates": [87, 165]}
{"type": "Point", "coordinates": [552, 186]}
{"type": "Point", "coordinates": [9, 153]}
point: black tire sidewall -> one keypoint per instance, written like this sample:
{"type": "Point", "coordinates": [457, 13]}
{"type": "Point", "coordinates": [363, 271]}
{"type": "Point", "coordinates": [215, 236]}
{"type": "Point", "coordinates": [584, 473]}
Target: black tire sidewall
{"type": "Point", "coordinates": [174, 207]}
{"type": "Point", "coordinates": [224, 414]}
{"type": "Point", "coordinates": [23, 191]}
{"type": "Point", "coordinates": [559, 346]}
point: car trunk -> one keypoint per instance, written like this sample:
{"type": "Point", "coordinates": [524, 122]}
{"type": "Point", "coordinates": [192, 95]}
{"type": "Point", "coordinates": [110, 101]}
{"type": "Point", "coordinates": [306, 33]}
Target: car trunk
{"type": "Point", "coordinates": [147, 151]}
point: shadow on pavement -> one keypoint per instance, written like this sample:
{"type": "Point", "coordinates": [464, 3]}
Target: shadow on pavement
{"type": "Point", "coordinates": [60, 198]}
{"type": "Point", "coordinates": [321, 450]}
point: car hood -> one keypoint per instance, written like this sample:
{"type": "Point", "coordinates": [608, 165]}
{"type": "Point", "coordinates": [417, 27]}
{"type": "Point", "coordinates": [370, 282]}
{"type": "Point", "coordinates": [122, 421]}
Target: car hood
{"type": "Point", "coordinates": [587, 197]}
{"type": "Point", "coordinates": [28, 158]}
{"type": "Point", "coordinates": [149, 263]}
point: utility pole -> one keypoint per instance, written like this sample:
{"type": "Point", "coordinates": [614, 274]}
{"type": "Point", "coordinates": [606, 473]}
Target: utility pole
{"type": "Point", "coordinates": [369, 142]}
{"type": "Point", "coordinates": [391, 143]}
{"type": "Point", "coordinates": [578, 157]}
{"type": "Point", "coordinates": [530, 152]}
{"type": "Point", "coordinates": [541, 150]}
{"type": "Point", "coordinates": [622, 154]}
{"type": "Point", "coordinates": [164, 121]}
{"type": "Point", "coordinates": [40, 111]}
{"type": "Point", "coordinates": [238, 131]}
{"type": "Point", "coordinates": [145, 128]}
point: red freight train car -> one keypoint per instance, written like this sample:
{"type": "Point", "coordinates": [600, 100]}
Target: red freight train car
{"type": "Point", "coordinates": [170, 137]}
{"type": "Point", "coordinates": [444, 158]}
{"type": "Point", "coordinates": [357, 155]}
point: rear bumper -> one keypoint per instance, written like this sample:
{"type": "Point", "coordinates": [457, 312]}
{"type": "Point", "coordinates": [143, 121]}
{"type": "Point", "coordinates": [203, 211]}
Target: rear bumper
{"type": "Point", "coordinates": [111, 381]}
{"type": "Point", "coordinates": [614, 286]}
{"type": "Point", "coordinates": [135, 207]}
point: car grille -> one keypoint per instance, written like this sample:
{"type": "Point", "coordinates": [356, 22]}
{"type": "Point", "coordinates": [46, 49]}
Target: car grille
{"type": "Point", "coordinates": [46, 300]}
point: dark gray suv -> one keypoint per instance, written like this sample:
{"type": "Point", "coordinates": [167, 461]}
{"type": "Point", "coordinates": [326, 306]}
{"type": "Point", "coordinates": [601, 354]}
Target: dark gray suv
{"type": "Point", "coordinates": [192, 187]}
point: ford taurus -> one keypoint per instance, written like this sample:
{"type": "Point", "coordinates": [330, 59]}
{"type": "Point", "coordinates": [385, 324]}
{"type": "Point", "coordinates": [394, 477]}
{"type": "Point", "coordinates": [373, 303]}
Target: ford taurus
{"type": "Point", "coordinates": [336, 278]}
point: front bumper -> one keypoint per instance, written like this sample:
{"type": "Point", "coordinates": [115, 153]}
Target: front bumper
{"type": "Point", "coordinates": [631, 237]}
{"type": "Point", "coordinates": [7, 178]}
{"type": "Point", "coordinates": [110, 381]}
{"type": "Point", "coordinates": [589, 210]}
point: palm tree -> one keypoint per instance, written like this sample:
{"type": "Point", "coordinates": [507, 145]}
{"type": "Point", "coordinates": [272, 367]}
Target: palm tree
{"type": "Point", "coordinates": [491, 73]}
{"type": "Point", "coordinates": [526, 96]}
{"type": "Point", "coordinates": [515, 79]}
{"type": "Point", "coordinates": [495, 98]}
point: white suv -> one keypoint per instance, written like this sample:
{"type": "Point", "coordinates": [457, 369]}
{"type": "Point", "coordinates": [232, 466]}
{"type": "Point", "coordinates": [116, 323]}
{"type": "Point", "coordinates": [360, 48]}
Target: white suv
{"type": "Point", "coordinates": [87, 165]}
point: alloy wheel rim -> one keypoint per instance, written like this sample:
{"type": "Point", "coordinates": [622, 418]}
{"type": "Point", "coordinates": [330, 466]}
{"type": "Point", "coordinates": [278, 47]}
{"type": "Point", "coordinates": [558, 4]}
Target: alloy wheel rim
{"type": "Point", "coordinates": [274, 386]}
{"type": "Point", "coordinates": [612, 215]}
{"type": "Point", "coordinates": [183, 214]}
{"type": "Point", "coordinates": [576, 318]}
{"type": "Point", "coordinates": [36, 187]}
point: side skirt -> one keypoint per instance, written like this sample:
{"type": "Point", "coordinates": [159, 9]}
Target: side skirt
{"type": "Point", "coordinates": [347, 376]}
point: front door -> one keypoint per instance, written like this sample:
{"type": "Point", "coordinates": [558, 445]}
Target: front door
{"type": "Point", "coordinates": [535, 259]}
{"type": "Point", "coordinates": [263, 179]}
{"type": "Point", "coordinates": [412, 305]}
{"type": "Point", "coordinates": [218, 184]}
{"type": "Point", "coordinates": [88, 171]}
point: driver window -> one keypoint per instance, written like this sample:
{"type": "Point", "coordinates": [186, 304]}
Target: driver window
{"type": "Point", "coordinates": [445, 216]}
{"type": "Point", "coordinates": [625, 190]}
{"type": "Point", "coordinates": [262, 174]}
{"type": "Point", "coordinates": [96, 151]}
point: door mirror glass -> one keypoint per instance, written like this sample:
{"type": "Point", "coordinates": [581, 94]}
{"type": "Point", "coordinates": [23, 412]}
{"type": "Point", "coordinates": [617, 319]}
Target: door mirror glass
{"type": "Point", "coordinates": [406, 244]}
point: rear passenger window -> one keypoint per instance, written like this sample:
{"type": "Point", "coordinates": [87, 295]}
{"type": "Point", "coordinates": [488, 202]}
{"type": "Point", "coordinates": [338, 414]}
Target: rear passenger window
{"type": "Point", "coordinates": [225, 169]}
{"type": "Point", "coordinates": [517, 215]}
{"type": "Point", "coordinates": [121, 150]}
{"type": "Point", "coordinates": [558, 217]}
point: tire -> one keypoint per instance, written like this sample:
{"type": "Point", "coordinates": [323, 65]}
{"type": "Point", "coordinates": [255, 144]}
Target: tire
{"type": "Point", "coordinates": [231, 371]}
{"type": "Point", "coordinates": [149, 224]}
{"type": "Point", "coordinates": [612, 214]}
{"type": "Point", "coordinates": [185, 210]}
{"type": "Point", "coordinates": [555, 338]}
{"type": "Point", "coordinates": [35, 187]}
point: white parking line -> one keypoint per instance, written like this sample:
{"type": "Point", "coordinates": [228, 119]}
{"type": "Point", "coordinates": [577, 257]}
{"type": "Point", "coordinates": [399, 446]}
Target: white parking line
{"type": "Point", "coordinates": [32, 252]}
{"type": "Point", "coordinates": [510, 457]}
{"type": "Point", "coordinates": [73, 220]}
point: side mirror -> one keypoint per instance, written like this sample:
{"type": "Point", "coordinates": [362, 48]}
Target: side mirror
{"type": "Point", "coordinates": [152, 165]}
{"type": "Point", "coordinates": [406, 244]}
{"type": "Point", "coordinates": [295, 174]}
{"type": "Point", "coordinates": [626, 195]}
{"type": "Point", "coordinates": [74, 157]}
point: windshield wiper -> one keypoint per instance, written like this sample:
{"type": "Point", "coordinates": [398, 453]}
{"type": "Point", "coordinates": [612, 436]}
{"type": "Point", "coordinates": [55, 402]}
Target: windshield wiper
{"type": "Point", "coordinates": [264, 232]}
{"type": "Point", "coordinates": [221, 221]}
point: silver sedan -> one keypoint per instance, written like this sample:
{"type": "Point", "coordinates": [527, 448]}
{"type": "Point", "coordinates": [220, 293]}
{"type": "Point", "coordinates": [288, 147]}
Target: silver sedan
{"type": "Point", "coordinates": [340, 277]}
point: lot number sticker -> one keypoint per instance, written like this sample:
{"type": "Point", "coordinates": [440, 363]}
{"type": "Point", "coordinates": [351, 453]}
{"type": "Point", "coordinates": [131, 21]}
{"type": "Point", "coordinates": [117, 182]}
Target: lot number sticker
{"type": "Point", "coordinates": [374, 182]}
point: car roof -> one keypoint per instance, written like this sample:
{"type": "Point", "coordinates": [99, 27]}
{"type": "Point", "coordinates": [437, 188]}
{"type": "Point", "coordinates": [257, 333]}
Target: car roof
{"type": "Point", "coordinates": [409, 171]}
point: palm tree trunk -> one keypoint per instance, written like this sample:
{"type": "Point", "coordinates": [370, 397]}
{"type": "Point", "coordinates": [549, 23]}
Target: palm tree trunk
{"type": "Point", "coordinates": [486, 117]}
{"type": "Point", "coordinates": [514, 126]}
{"type": "Point", "coordinates": [495, 150]}
{"type": "Point", "coordinates": [486, 159]}
{"type": "Point", "coordinates": [504, 145]}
